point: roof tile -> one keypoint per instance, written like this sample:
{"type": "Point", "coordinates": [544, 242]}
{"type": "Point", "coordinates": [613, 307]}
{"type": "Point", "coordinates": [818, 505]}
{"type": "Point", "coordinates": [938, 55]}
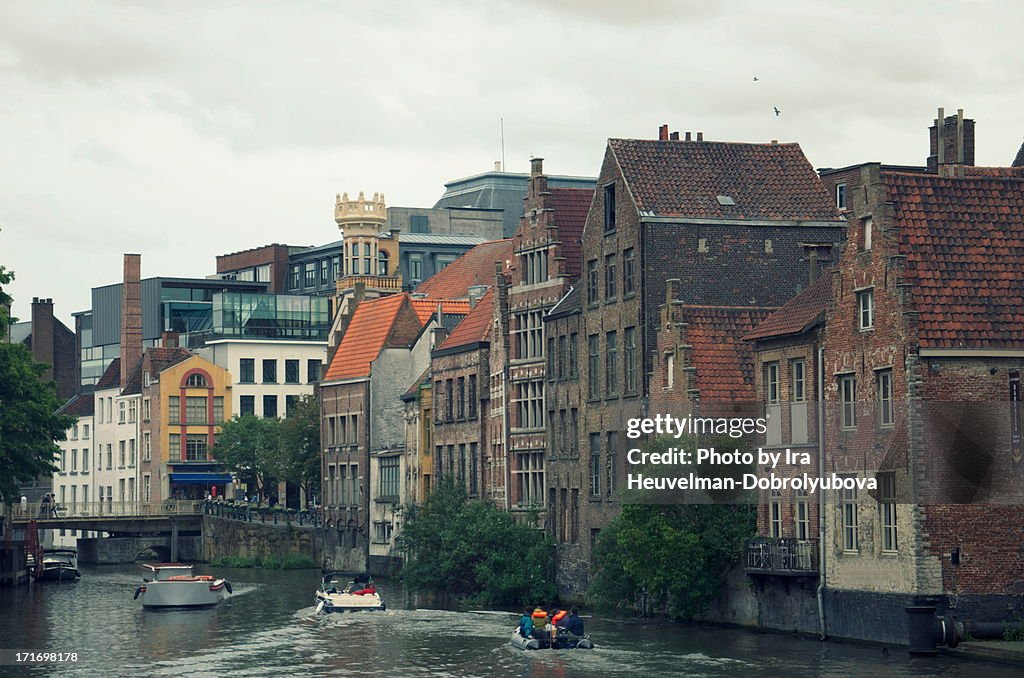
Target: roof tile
{"type": "Point", "coordinates": [475, 267]}
{"type": "Point", "coordinates": [475, 327]}
{"type": "Point", "coordinates": [723, 360]}
{"type": "Point", "coordinates": [799, 313]}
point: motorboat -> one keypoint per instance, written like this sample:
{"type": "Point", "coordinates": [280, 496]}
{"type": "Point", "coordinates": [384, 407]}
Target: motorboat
{"type": "Point", "coordinates": [60, 564]}
{"type": "Point", "coordinates": [339, 593]}
{"type": "Point", "coordinates": [175, 585]}
{"type": "Point", "coordinates": [562, 641]}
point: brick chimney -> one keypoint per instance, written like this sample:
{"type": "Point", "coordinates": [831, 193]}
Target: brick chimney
{"type": "Point", "coordinates": [951, 144]}
{"type": "Point", "coordinates": [663, 133]}
{"type": "Point", "coordinates": [42, 333]}
{"type": "Point", "coordinates": [537, 178]}
{"type": "Point", "coordinates": [131, 315]}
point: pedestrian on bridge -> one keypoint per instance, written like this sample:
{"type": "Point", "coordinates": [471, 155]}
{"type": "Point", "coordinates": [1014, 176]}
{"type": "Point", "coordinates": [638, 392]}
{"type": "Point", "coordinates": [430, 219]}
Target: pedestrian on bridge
{"type": "Point", "coordinates": [44, 506]}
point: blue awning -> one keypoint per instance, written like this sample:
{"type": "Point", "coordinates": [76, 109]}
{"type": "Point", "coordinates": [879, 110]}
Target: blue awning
{"type": "Point", "coordinates": [200, 478]}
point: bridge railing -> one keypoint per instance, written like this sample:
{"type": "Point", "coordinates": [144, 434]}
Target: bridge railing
{"type": "Point", "coordinates": [106, 509]}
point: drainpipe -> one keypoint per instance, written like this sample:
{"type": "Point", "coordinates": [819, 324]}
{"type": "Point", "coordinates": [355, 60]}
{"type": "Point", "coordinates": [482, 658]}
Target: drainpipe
{"type": "Point", "coordinates": [821, 494]}
{"type": "Point", "coordinates": [506, 391]}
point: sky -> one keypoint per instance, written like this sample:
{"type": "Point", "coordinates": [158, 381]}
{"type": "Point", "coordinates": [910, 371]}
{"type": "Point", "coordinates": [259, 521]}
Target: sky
{"type": "Point", "coordinates": [185, 130]}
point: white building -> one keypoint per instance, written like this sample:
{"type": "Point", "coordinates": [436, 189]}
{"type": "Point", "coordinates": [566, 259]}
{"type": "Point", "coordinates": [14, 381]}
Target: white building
{"type": "Point", "coordinates": [116, 438]}
{"type": "Point", "coordinates": [74, 481]}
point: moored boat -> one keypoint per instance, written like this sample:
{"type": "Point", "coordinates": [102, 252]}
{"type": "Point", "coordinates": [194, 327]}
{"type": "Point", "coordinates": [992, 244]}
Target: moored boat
{"type": "Point", "coordinates": [174, 585]}
{"type": "Point", "coordinates": [563, 641]}
{"type": "Point", "coordinates": [359, 593]}
{"type": "Point", "coordinates": [60, 564]}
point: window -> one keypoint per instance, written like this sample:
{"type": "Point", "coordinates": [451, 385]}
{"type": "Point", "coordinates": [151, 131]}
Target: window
{"type": "Point", "coordinates": [382, 531]}
{"type": "Point", "coordinates": [866, 304]}
{"type": "Point", "coordinates": [609, 277]}
{"type": "Point", "coordinates": [529, 333]}
{"type": "Point", "coordinates": [269, 371]}
{"type": "Point", "coordinates": [367, 259]}
{"type": "Point", "coordinates": [147, 488]}
{"type": "Point", "coordinates": [389, 477]}
{"type": "Point", "coordinates": [798, 402]}
{"type": "Point", "coordinates": [449, 400]}
{"type": "Point", "coordinates": [593, 360]}
{"type": "Point", "coordinates": [841, 196]}
{"type": "Point", "coordinates": [771, 382]}
{"type": "Point", "coordinates": [356, 493]}
{"type": "Point", "coordinates": [291, 371]}
{"type": "Point", "coordinates": [849, 511]}
{"type": "Point", "coordinates": [562, 357]}
{"type": "Point", "coordinates": [595, 464]}
{"type": "Point", "coordinates": [609, 207]}
{"type": "Point", "coordinates": [85, 460]}
{"type": "Point", "coordinates": [382, 263]}
{"type": "Point", "coordinates": [147, 409]}
{"type": "Point", "coordinates": [121, 456]}
{"type": "Point", "coordinates": [174, 409]}
{"type": "Point", "coordinates": [325, 271]}
{"type": "Point", "coordinates": [289, 404]}
{"type": "Point", "coordinates": [628, 272]}
{"type": "Point", "coordinates": [195, 447]}
{"type": "Point", "coordinates": [574, 369]}
{"type": "Point", "coordinates": [611, 461]}
{"type": "Point", "coordinates": [294, 274]}
{"type": "Point", "coordinates": [629, 344]}
{"type": "Point", "coordinates": [868, 227]}
{"type": "Point", "coordinates": [885, 410]}
{"type": "Point", "coordinates": [110, 456]}
{"type": "Point", "coordinates": [472, 397]}
{"type": "Point", "coordinates": [611, 363]}
{"type": "Point", "coordinates": [416, 267]}
{"type": "Point", "coordinates": [269, 406]}
{"type": "Point", "coordinates": [122, 408]}
{"type": "Point", "coordinates": [147, 446]}
{"type": "Point", "coordinates": [218, 409]}
{"type": "Point", "coordinates": [848, 400]}
{"type": "Point", "coordinates": [592, 291]}
{"type": "Point", "coordinates": [473, 468]}
{"type": "Point", "coordinates": [670, 369]}
{"type": "Point", "coordinates": [801, 516]}
{"type": "Point", "coordinates": [574, 432]}
{"type": "Point", "coordinates": [131, 453]}
{"type": "Point", "coordinates": [775, 515]}
{"type": "Point", "coordinates": [312, 371]}
{"type": "Point", "coordinates": [196, 381]}
{"type": "Point", "coordinates": [85, 431]}
{"type": "Point", "coordinates": [246, 405]}
{"type": "Point", "coordinates": [552, 357]}
{"type": "Point", "coordinates": [309, 279]}
{"type": "Point", "coordinates": [133, 411]}
{"type": "Point", "coordinates": [531, 478]}
{"type": "Point", "coordinates": [74, 461]}
{"type": "Point", "coordinates": [460, 400]}
{"type": "Point", "coordinates": [530, 402]}
{"type": "Point", "coordinates": [799, 385]}
{"type": "Point", "coordinates": [702, 245]}
{"type": "Point", "coordinates": [418, 223]}
{"type": "Point", "coordinates": [247, 371]}
{"type": "Point", "coordinates": [887, 510]}
{"type": "Point", "coordinates": [195, 410]}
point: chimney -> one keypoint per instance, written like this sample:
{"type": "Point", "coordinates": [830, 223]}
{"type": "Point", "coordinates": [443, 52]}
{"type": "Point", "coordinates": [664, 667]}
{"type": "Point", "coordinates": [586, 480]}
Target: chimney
{"type": "Point", "coordinates": [131, 315]}
{"type": "Point", "coordinates": [169, 340]}
{"type": "Point", "coordinates": [536, 167]}
{"type": "Point", "coordinates": [476, 292]}
{"type": "Point", "coordinates": [670, 290]}
{"type": "Point", "coordinates": [688, 137]}
{"type": "Point", "coordinates": [951, 144]}
{"type": "Point", "coordinates": [663, 133]}
{"type": "Point", "coordinates": [674, 136]}
{"type": "Point", "coordinates": [42, 334]}
{"type": "Point", "coordinates": [700, 136]}
{"type": "Point", "coordinates": [497, 165]}
{"type": "Point", "coordinates": [437, 336]}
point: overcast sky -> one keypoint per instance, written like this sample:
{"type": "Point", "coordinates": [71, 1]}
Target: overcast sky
{"type": "Point", "coordinates": [186, 130]}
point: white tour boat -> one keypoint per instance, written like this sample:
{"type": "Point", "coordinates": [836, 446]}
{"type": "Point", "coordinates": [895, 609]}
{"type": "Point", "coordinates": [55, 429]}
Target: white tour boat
{"type": "Point", "coordinates": [359, 593]}
{"type": "Point", "coordinates": [174, 585]}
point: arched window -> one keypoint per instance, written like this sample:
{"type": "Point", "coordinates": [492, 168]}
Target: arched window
{"type": "Point", "coordinates": [382, 263]}
{"type": "Point", "coordinates": [367, 259]}
{"type": "Point", "coordinates": [195, 381]}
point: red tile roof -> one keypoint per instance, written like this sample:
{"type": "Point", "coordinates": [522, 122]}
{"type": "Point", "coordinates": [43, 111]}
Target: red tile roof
{"type": "Point", "coordinates": [1018, 161]}
{"type": "Point", "coordinates": [964, 245]}
{"type": "Point", "coordinates": [365, 337]}
{"type": "Point", "coordinates": [571, 207]}
{"type": "Point", "coordinates": [475, 267]}
{"type": "Point", "coordinates": [685, 178]}
{"type": "Point", "coordinates": [973, 171]}
{"type": "Point", "coordinates": [425, 308]}
{"type": "Point", "coordinates": [160, 359]}
{"type": "Point", "coordinates": [724, 362]}
{"type": "Point", "coordinates": [81, 405]}
{"type": "Point", "coordinates": [799, 313]}
{"type": "Point", "coordinates": [475, 327]}
{"type": "Point", "coordinates": [111, 376]}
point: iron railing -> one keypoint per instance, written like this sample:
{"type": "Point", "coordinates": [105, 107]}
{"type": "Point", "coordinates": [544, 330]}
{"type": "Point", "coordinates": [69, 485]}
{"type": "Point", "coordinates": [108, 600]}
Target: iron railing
{"type": "Point", "coordinates": [782, 555]}
{"type": "Point", "coordinates": [107, 509]}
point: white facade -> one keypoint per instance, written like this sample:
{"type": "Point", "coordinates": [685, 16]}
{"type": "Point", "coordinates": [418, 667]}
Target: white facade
{"type": "Point", "coordinates": [266, 374]}
{"type": "Point", "coordinates": [116, 446]}
{"type": "Point", "coordinates": [74, 481]}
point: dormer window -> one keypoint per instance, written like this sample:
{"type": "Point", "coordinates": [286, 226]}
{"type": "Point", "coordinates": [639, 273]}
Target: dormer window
{"type": "Point", "coordinates": [609, 207]}
{"type": "Point", "coordinates": [841, 196]}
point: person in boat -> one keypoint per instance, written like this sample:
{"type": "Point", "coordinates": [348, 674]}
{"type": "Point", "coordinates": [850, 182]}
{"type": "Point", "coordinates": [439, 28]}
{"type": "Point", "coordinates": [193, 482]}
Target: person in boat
{"type": "Point", "coordinates": [540, 623]}
{"type": "Point", "coordinates": [573, 623]}
{"type": "Point", "coordinates": [526, 624]}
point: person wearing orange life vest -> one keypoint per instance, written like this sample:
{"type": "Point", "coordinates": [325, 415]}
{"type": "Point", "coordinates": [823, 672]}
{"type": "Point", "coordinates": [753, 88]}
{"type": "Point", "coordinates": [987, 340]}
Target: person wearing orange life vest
{"type": "Point", "coordinates": [540, 621]}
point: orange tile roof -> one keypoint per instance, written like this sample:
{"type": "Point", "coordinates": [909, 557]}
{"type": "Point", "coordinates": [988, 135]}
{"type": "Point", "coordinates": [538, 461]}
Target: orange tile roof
{"type": "Point", "coordinates": [475, 327]}
{"type": "Point", "coordinates": [365, 336]}
{"type": "Point", "coordinates": [799, 313]}
{"type": "Point", "coordinates": [475, 267]}
{"type": "Point", "coordinates": [724, 362]}
{"type": "Point", "coordinates": [571, 207]}
{"type": "Point", "coordinates": [425, 308]}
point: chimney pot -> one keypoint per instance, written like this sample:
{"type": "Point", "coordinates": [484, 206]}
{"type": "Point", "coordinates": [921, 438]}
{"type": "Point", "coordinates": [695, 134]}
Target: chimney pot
{"type": "Point", "coordinates": [536, 166]}
{"type": "Point", "coordinates": [700, 136]}
{"type": "Point", "coordinates": [688, 136]}
{"type": "Point", "coordinates": [497, 165]}
{"type": "Point", "coordinates": [674, 136]}
{"type": "Point", "coordinates": [775, 142]}
{"type": "Point", "coordinates": [663, 133]}
{"type": "Point", "coordinates": [35, 300]}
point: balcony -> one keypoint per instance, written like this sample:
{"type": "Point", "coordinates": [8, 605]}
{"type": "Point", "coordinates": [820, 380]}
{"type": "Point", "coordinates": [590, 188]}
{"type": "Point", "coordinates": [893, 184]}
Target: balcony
{"type": "Point", "coordinates": [375, 282]}
{"type": "Point", "coordinates": [785, 557]}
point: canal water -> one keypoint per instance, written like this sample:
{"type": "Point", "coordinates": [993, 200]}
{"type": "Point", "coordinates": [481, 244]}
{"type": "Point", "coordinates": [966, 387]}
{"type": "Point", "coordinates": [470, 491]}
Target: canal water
{"type": "Point", "coordinates": [268, 628]}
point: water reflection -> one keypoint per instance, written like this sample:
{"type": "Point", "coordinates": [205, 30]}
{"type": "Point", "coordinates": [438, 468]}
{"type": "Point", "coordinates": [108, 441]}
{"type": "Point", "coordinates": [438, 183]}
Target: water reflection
{"type": "Point", "coordinates": [269, 628]}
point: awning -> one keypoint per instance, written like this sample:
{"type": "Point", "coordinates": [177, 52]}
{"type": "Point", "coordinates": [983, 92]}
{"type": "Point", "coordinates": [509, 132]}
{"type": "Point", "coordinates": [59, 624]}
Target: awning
{"type": "Point", "coordinates": [200, 478]}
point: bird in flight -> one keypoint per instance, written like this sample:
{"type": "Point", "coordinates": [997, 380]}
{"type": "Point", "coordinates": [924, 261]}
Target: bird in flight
{"type": "Point", "coordinates": [755, 78]}
{"type": "Point", "coordinates": [777, 111]}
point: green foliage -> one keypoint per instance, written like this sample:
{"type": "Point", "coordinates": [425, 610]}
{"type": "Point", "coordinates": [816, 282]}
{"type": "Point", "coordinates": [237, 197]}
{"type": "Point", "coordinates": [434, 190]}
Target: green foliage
{"type": "Point", "coordinates": [298, 458]}
{"type": "Point", "coordinates": [235, 561]}
{"type": "Point", "coordinates": [298, 561]}
{"type": "Point", "coordinates": [28, 425]}
{"type": "Point", "coordinates": [474, 552]}
{"type": "Point", "coordinates": [273, 563]}
{"type": "Point", "coordinates": [669, 558]}
{"type": "Point", "coordinates": [293, 561]}
{"type": "Point", "coordinates": [249, 446]}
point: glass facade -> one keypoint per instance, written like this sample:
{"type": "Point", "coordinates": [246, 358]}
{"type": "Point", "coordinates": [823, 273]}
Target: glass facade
{"type": "Point", "coordinates": [240, 315]}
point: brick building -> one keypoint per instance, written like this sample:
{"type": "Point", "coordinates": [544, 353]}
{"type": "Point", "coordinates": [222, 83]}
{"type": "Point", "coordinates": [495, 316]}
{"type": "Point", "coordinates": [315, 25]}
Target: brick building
{"type": "Point", "coordinates": [721, 218]}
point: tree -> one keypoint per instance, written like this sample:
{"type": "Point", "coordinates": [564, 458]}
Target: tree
{"type": "Point", "coordinates": [299, 445]}
{"type": "Point", "coordinates": [29, 425]}
{"type": "Point", "coordinates": [474, 552]}
{"type": "Point", "coordinates": [249, 446]}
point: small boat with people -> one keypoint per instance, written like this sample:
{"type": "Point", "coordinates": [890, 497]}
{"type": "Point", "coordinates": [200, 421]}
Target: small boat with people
{"type": "Point", "coordinates": [340, 593]}
{"type": "Point", "coordinates": [562, 630]}
{"type": "Point", "coordinates": [175, 585]}
{"type": "Point", "coordinates": [58, 564]}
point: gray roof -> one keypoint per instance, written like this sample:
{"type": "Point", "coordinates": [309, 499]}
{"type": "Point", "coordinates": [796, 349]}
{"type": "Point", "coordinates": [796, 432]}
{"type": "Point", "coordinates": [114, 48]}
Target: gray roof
{"type": "Point", "coordinates": [439, 239]}
{"type": "Point", "coordinates": [567, 305]}
{"type": "Point", "coordinates": [20, 332]}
